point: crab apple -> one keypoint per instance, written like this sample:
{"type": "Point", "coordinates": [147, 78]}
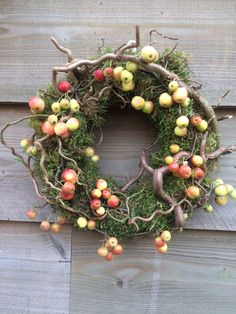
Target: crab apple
{"type": "Point", "coordinates": [66, 135]}
{"type": "Point", "coordinates": [64, 86]}
{"type": "Point", "coordinates": [148, 107]}
{"type": "Point", "coordinates": [113, 201]}
{"type": "Point", "coordinates": [45, 225]}
{"type": "Point", "coordinates": [69, 175]}
{"type": "Point", "coordinates": [56, 107]}
{"type": "Point", "coordinates": [100, 211]}
{"type": "Point", "coordinates": [73, 124]}
{"type": "Point", "coordinates": [24, 143]}
{"type": "Point", "coordinates": [101, 184]}
{"type": "Point", "coordinates": [96, 193]}
{"type": "Point", "coordinates": [52, 119]}
{"type": "Point", "coordinates": [48, 128]}
{"type": "Point", "coordinates": [82, 222]}
{"type": "Point", "coordinates": [108, 72]}
{"type": "Point", "coordinates": [55, 227]}
{"type": "Point", "coordinates": [221, 200]}
{"type": "Point", "coordinates": [36, 104]}
{"type": "Point", "coordinates": [181, 132]}
{"type": "Point", "coordinates": [68, 188]}
{"type": "Point", "coordinates": [218, 181]}
{"type": "Point", "coordinates": [65, 104]}
{"type": "Point", "coordinates": [117, 250]}
{"type": "Point", "coordinates": [126, 76]}
{"type": "Point", "coordinates": [31, 213]}
{"type": "Point", "coordinates": [89, 152]}
{"type": "Point", "coordinates": [112, 242]}
{"type": "Point", "coordinates": [149, 54]}
{"type": "Point", "coordinates": [102, 251]}
{"type": "Point", "coordinates": [117, 72]}
{"type": "Point", "coordinates": [109, 256]}
{"type": "Point", "coordinates": [31, 150]}
{"type": "Point", "coordinates": [74, 105]}
{"type": "Point", "coordinates": [60, 128]}
{"type": "Point", "coordinates": [221, 190]}
{"type": "Point", "coordinates": [131, 66]}
{"type": "Point", "coordinates": [98, 75]}
{"type": "Point", "coordinates": [173, 85]}
{"type": "Point", "coordinates": [127, 87]}
{"type": "Point", "coordinates": [202, 126]}
{"type": "Point", "coordinates": [195, 120]}
{"type": "Point", "coordinates": [95, 158]}
{"type": "Point", "coordinates": [173, 167]}
{"type": "Point", "coordinates": [180, 95]}
{"type": "Point", "coordinates": [230, 188]}
{"type": "Point", "coordinates": [163, 249]}
{"type": "Point", "coordinates": [61, 220]}
{"type": "Point", "coordinates": [192, 192]}
{"type": "Point", "coordinates": [208, 208]}
{"type": "Point", "coordinates": [197, 173]}
{"type": "Point", "coordinates": [166, 235]}
{"type": "Point", "coordinates": [159, 242]}
{"type": "Point", "coordinates": [67, 196]}
{"type": "Point", "coordinates": [168, 160]}
{"type": "Point", "coordinates": [197, 160]}
{"type": "Point", "coordinates": [182, 122]}
{"type": "Point", "coordinates": [232, 194]}
{"type": "Point", "coordinates": [165, 100]}
{"type": "Point", "coordinates": [186, 103]}
{"type": "Point", "coordinates": [95, 204]}
{"type": "Point", "coordinates": [106, 194]}
{"type": "Point", "coordinates": [137, 102]}
{"type": "Point", "coordinates": [174, 148]}
{"type": "Point", "coordinates": [91, 225]}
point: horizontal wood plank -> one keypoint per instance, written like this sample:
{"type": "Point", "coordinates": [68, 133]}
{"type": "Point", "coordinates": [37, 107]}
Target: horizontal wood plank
{"type": "Point", "coordinates": [34, 269]}
{"type": "Point", "coordinates": [205, 30]}
{"type": "Point", "coordinates": [197, 275]}
{"type": "Point", "coordinates": [124, 138]}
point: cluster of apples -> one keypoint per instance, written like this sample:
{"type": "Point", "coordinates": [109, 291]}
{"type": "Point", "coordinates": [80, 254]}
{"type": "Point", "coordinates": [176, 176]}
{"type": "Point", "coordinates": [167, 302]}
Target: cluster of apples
{"type": "Point", "coordinates": [82, 223]}
{"type": "Point", "coordinates": [160, 241]}
{"type": "Point", "coordinates": [102, 192]}
{"type": "Point", "coordinates": [222, 191]}
{"type": "Point", "coordinates": [195, 120]}
{"type": "Point", "coordinates": [179, 96]}
{"type": "Point", "coordinates": [90, 152]}
{"type": "Point", "coordinates": [69, 177]}
{"type": "Point", "coordinates": [139, 103]}
{"type": "Point", "coordinates": [112, 247]}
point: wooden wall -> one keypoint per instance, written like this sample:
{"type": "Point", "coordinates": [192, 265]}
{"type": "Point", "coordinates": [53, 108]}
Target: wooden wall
{"type": "Point", "coordinates": [43, 273]}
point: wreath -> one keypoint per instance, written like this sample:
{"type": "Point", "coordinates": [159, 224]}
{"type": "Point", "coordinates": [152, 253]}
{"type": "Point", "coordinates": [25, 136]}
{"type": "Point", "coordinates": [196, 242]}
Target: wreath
{"type": "Point", "coordinates": [62, 149]}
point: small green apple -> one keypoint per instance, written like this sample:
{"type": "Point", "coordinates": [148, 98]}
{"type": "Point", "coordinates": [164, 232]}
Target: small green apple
{"type": "Point", "coordinates": [181, 132]}
{"type": "Point", "coordinates": [148, 107]}
{"type": "Point", "coordinates": [138, 102]}
{"type": "Point", "coordinates": [117, 72]}
{"type": "Point", "coordinates": [149, 54]}
{"type": "Point", "coordinates": [202, 126]}
{"type": "Point", "coordinates": [173, 85]}
{"type": "Point", "coordinates": [131, 66]}
{"type": "Point", "coordinates": [126, 76]}
{"type": "Point", "coordinates": [182, 122]}
{"type": "Point", "coordinates": [56, 107]}
{"type": "Point", "coordinates": [127, 87]}
{"type": "Point", "coordinates": [165, 100]}
{"type": "Point", "coordinates": [74, 105]}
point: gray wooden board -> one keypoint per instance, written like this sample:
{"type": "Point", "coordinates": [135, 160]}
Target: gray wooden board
{"type": "Point", "coordinates": [197, 275]}
{"type": "Point", "coordinates": [34, 269]}
{"type": "Point", "coordinates": [124, 137]}
{"type": "Point", "coordinates": [205, 30]}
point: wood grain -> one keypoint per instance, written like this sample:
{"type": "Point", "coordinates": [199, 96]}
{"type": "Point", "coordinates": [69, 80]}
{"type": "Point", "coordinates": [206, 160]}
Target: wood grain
{"type": "Point", "coordinates": [124, 137]}
{"type": "Point", "coordinates": [197, 275]}
{"type": "Point", "coordinates": [34, 269]}
{"type": "Point", "coordinates": [205, 30]}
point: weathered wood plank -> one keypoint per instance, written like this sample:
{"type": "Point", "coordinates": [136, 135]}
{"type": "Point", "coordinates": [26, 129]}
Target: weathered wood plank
{"type": "Point", "coordinates": [197, 275]}
{"type": "Point", "coordinates": [205, 30]}
{"type": "Point", "coordinates": [34, 269]}
{"type": "Point", "coordinates": [123, 140]}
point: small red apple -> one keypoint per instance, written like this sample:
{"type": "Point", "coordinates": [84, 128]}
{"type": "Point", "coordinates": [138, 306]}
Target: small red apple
{"type": "Point", "coordinates": [69, 175]}
{"type": "Point", "coordinates": [173, 167]}
{"type": "Point", "coordinates": [163, 249]}
{"type": "Point", "coordinates": [192, 192]}
{"type": "Point", "coordinates": [64, 86]}
{"type": "Point", "coordinates": [31, 213]}
{"type": "Point", "coordinates": [102, 251]}
{"type": "Point", "coordinates": [55, 227]}
{"type": "Point", "coordinates": [48, 128]}
{"type": "Point", "coordinates": [197, 173]}
{"type": "Point", "coordinates": [66, 135]}
{"type": "Point", "coordinates": [98, 75]}
{"type": "Point", "coordinates": [60, 128]}
{"type": "Point", "coordinates": [67, 196]}
{"type": "Point", "coordinates": [101, 184]}
{"type": "Point", "coordinates": [195, 120]}
{"type": "Point", "coordinates": [117, 250]}
{"type": "Point", "coordinates": [91, 225]}
{"type": "Point", "coordinates": [108, 72]}
{"type": "Point", "coordinates": [159, 242]}
{"type": "Point", "coordinates": [106, 194]}
{"type": "Point", "coordinates": [68, 188]}
{"type": "Point", "coordinates": [95, 204]}
{"type": "Point", "coordinates": [45, 225]}
{"type": "Point", "coordinates": [185, 171]}
{"type": "Point", "coordinates": [36, 104]}
{"type": "Point", "coordinates": [113, 201]}
{"type": "Point", "coordinates": [109, 256]}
